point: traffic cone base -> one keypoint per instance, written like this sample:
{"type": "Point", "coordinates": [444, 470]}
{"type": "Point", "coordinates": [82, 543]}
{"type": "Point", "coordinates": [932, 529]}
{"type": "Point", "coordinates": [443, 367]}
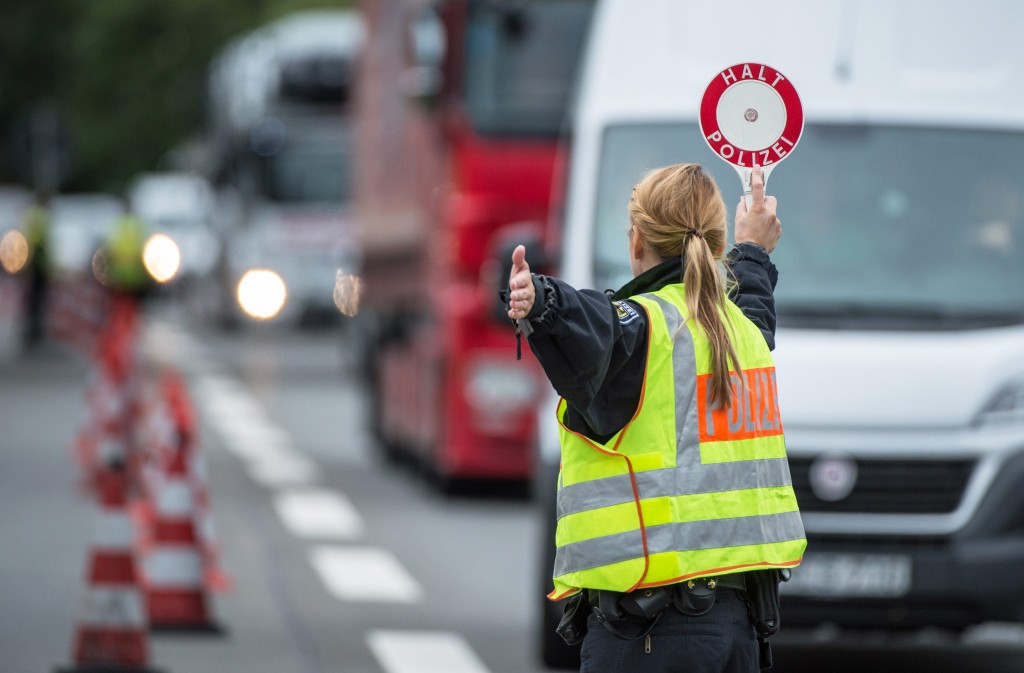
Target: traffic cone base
{"type": "Point", "coordinates": [176, 601]}
{"type": "Point", "coordinates": [112, 635]}
{"type": "Point", "coordinates": [173, 568]}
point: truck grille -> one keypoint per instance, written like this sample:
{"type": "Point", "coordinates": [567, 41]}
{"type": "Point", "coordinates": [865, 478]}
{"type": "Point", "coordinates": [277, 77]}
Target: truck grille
{"type": "Point", "coordinates": [890, 487]}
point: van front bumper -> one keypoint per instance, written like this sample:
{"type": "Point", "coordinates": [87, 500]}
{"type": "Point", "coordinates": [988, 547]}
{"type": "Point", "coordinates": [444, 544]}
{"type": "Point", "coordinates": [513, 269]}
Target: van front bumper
{"type": "Point", "coordinates": [933, 583]}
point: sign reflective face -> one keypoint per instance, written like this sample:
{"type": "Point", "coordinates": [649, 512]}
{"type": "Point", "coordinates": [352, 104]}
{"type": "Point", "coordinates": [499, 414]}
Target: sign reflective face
{"type": "Point", "coordinates": [751, 114]}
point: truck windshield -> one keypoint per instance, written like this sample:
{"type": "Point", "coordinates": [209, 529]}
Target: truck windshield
{"type": "Point", "coordinates": [308, 173]}
{"type": "Point", "coordinates": [894, 227]}
{"type": "Point", "coordinates": [521, 63]}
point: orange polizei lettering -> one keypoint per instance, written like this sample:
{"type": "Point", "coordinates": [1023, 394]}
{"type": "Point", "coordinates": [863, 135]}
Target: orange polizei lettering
{"type": "Point", "coordinates": [754, 411]}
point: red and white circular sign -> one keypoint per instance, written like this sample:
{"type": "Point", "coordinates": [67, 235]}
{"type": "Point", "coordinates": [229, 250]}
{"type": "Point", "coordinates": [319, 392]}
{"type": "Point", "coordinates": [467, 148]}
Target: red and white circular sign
{"type": "Point", "coordinates": [751, 114]}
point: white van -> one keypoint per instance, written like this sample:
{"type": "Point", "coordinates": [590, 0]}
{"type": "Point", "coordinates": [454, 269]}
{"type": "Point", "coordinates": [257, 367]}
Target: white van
{"type": "Point", "coordinates": [900, 342]}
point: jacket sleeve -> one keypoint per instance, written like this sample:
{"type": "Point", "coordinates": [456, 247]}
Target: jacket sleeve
{"type": "Point", "coordinates": [755, 277]}
{"type": "Point", "coordinates": [588, 346]}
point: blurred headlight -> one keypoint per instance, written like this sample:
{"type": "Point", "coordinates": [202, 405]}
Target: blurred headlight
{"type": "Point", "coordinates": [500, 388]}
{"type": "Point", "coordinates": [347, 291]}
{"type": "Point", "coordinates": [261, 293]}
{"type": "Point", "coordinates": [13, 251]}
{"type": "Point", "coordinates": [1006, 406]}
{"type": "Point", "coordinates": [161, 257]}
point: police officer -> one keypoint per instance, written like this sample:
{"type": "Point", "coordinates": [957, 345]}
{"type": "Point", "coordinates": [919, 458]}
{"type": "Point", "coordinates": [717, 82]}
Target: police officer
{"type": "Point", "coordinates": [36, 225]}
{"type": "Point", "coordinates": [674, 491]}
{"type": "Point", "coordinates": [125, 271]}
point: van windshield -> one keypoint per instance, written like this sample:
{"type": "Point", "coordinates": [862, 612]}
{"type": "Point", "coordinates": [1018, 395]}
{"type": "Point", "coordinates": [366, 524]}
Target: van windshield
{"type": "Point", "coordinates": [521, 62]}
{"type": "Point", "coordinates": [892, 227]}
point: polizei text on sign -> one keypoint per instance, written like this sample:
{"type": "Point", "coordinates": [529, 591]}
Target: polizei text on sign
{"type": "Point", "coordinates": [751, 114]}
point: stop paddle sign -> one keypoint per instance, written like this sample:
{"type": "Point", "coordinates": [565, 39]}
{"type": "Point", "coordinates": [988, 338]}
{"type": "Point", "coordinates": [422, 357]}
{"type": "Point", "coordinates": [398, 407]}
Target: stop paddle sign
{"type": "Point", "coordinates": [751, 114]}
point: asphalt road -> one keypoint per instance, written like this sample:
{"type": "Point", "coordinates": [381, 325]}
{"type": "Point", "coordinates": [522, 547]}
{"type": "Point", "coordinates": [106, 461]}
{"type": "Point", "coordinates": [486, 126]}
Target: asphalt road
{"type": "Point", "coordinates": [339, 561]}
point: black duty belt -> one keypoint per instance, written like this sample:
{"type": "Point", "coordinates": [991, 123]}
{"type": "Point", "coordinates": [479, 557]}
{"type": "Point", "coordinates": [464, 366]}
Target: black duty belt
{"type": "Point", "coordinates": [737, 581]}
{"type": "Point", "coordinates": [644, 606]}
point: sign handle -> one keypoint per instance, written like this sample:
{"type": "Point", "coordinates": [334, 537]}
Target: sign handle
{"type": "Point", "coordinates": [746, 173]}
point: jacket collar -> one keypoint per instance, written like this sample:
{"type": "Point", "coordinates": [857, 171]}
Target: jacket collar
{"type": "Point", "coordinates": [652, 280]}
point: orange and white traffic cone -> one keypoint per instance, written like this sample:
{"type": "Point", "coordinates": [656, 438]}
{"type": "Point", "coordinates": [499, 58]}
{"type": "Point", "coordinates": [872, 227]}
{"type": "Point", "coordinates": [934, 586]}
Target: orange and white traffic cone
{"type": "Point", "coordinates": [112, 634]}
{"type": "Point", "coordinates": [175, 588]}
{"type": "Point", "coordinates": [183, 419]}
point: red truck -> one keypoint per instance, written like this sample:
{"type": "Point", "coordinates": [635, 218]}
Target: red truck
{"type": "Point", "coordinates": [459, 116]}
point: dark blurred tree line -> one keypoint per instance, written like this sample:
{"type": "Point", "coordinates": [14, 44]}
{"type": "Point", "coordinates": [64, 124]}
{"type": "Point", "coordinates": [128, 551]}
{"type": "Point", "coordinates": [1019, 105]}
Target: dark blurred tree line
{"type": "Point", "coordinates": [93, 92]}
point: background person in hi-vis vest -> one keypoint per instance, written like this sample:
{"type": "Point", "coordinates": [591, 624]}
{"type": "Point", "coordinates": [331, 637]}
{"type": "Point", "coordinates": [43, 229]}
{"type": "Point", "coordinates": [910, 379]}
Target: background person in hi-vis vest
{"type": "Point", "coordinates": [676, 514]}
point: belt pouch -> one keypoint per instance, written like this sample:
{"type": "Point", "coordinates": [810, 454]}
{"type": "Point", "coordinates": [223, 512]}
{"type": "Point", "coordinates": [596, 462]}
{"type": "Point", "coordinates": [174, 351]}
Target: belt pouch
{"type": "Point", "coordinates": [694, 598]}
{"type": "Point", "coordinates": [646, 603]}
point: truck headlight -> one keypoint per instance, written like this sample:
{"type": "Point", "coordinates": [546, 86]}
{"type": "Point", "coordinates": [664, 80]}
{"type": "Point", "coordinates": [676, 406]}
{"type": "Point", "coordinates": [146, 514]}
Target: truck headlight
{"type": "Point", "coordinates": [497, 388]}
{"type": "Point", "coordinates": [261, 293]}
{"type": "Point", "coordinates": [1006, 406]}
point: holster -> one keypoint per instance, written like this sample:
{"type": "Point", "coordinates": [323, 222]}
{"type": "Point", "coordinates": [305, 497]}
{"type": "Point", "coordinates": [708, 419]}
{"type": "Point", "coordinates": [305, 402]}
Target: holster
{"type": "Point", "coordinates": [763, 599]}
{"type": "Point", "coordinates": [763, 605]}
{"type": "Point", "coordinates": [573, 625]}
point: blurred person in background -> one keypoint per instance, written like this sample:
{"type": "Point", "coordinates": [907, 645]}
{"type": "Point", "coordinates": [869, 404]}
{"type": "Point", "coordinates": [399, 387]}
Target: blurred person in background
{"type": "Point", "coordinates": [124, 271]}
{"type": "Point", "coordinates": [36, 224]}
{"type": "Point", "coordinates": [677, 517]}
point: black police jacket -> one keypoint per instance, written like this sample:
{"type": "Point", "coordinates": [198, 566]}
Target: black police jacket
{"type": "Point", "coordinates": [592, 345]}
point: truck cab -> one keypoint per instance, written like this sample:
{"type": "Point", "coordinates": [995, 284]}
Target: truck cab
{"type": "Point", "coordinates": [462, 103]}
{"type": "Point", "coordinates": [900, 300]}
{"type": "Point", "coordinates": [281, 101]}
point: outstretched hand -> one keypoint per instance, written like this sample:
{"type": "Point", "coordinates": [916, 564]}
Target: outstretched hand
{"type": "Point", "coordinates": [521, 293]}
{"type": "Point", "coordinates": [759, 223]}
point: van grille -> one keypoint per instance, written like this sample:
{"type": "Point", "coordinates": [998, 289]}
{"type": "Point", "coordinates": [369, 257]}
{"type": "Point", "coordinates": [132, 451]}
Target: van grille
{"type": "Point", "coordinates": [890, 487]}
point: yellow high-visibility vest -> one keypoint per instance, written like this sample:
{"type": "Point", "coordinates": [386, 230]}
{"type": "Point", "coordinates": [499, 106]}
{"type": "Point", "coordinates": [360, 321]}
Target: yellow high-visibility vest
{"type": "Point", "coordinates": [126, 270]}
{"type": "Point", "coordinates": [687, 489]}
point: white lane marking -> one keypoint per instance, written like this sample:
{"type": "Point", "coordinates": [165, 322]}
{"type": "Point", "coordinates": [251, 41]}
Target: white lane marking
{"type": "Point", "coordinates": [319, 514]}
{"type": "Point", "coordinates": [283, 469]}
{"type": "Point", "coordinates": [424, 652]}
{"type": "Point", "coordinates": [364, 574]}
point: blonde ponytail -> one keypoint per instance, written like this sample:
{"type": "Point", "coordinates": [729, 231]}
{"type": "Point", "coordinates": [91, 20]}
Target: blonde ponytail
{"type": "Point", "coordinates": [679, 211]}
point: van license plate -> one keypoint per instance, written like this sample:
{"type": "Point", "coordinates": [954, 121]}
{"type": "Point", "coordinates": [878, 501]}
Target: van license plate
{"type": "Point", "coordinates": [850, 576]}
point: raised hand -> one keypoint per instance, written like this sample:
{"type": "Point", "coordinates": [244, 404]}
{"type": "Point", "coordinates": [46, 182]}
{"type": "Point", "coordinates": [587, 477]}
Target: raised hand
{"type": "Point", "coordinates": [759, 224]}
{"type": "Point", "coordinates": [520, 286]}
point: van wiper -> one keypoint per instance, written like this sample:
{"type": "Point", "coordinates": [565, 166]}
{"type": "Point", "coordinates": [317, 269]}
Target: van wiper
{"type": "Point", "coordinates": [894, 316]}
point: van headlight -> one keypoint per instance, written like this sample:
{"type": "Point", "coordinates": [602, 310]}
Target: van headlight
{"type": "Point", "coordinates": [1006, 406]}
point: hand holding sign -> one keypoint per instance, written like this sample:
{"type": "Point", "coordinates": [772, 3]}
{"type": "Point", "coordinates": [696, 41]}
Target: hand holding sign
{"type": "Point", "coordinates": [758, 223]}
{"type": "Point", "coordinates": [751, 114]}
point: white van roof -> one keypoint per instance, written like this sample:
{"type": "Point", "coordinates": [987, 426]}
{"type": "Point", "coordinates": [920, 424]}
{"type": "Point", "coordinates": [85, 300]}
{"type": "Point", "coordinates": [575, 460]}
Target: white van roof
{"type": "Point", "coordinates": [953, 63]}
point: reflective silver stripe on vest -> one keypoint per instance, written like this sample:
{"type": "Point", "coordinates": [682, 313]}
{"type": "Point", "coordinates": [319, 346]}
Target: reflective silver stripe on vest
{"type": "Point", "coordinates": [690, 535]}
{"type": "Point", "coordinates": [684, 365]}
{"type": "Point", "coordinates": [673, 481]}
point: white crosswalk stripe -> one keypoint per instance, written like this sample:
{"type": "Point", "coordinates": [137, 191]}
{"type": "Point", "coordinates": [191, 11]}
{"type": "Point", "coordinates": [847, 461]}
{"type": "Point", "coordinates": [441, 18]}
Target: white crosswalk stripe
{"type": "Point", "coordinates": [319, 514]}
{"type": "Point", "coordinates": [366, 574]}
{"type": "Point", "coordinates": [424, 652]}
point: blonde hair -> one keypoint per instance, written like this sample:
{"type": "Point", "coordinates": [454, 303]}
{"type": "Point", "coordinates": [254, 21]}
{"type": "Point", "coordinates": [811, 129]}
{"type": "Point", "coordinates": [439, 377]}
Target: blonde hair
{"type": "Point", "coordinates": [679, 212]}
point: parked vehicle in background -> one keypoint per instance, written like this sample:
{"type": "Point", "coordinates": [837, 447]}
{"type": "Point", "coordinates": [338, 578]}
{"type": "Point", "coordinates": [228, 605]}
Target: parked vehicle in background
{"type": "Point", "coordinates": [80, 224]}
{"type": "Point", "coordinates": [900, 342]}
{"type": "Point", "coordinates": [181, 206]}
{"type": "Point", "coordinates": [280, 125]}
{"type": "Point", "coordinates": [461, 106]}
